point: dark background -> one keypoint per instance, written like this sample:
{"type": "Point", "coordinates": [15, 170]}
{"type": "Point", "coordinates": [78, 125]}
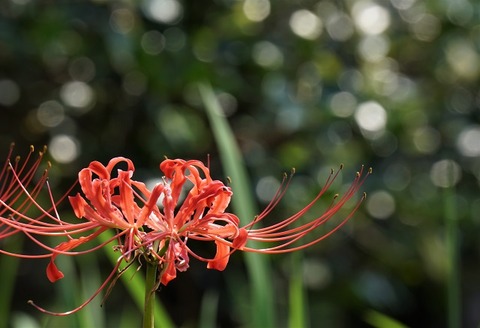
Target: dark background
{"type": "Point", "coordinates": [305, 84]}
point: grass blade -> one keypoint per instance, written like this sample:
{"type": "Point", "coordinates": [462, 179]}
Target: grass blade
{"type": "Point", "coordinates": [380, 320]}
{"type": "Point", "coordinates": [257, 265]}
{"type": "Point", "coordinates": [297, 297]}
{"type": "Point", "coordinates": [8, 273]}
{"type": "Point", "coordinates": [453, 266]}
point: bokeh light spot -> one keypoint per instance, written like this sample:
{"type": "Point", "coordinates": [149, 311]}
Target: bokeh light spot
{"type": "Point", "coordinates": [339, 26]}
{"type": "Point", "coordinates": [468, 141]}
{"type": "Point", "coordinates": [64, 148]}
{"type": "Point", "coordinates": [463, 58]}
{"type": "Point", "coordinates": [373, 48]}
{"type": "Point", "coordinates": [163, 11]}
{"type": "Point", "coordinates": [380, 204]}
{"type": "Point", "coordinates": [77, 94]}
{"type": "Point", "coordinates": [266, 188]}
{"type": "Point", "coordinates": [343, 104]}
{"type": "Point", "coordinates": [370, 18]}
{"type": "Point", "coordinates": [50, 113]}
{"type": "Point", "coordinates": [426, 28]}
{"type": "Point", "coordinates": [426, 139]}
{"type": "Point", "coordinates": [256, 10]}
{"type": "Point", "coordinates": [371, 117]}
{"type": "Point", "coordinates": [228, 103]}
{"type": "Point", "coordinates": [445, 173]}
{"type": "Point", "coordinates": [267, 55]}
{"type": "Point", "coordinates": [306, 24]}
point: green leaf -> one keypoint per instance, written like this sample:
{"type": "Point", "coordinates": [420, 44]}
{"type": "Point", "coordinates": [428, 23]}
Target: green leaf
{"type": "Point", "coordinates": [380, 320]}
{"type": "Point", "coordinates": [258, 266]}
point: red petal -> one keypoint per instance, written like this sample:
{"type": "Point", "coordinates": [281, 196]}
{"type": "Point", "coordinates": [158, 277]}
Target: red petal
{"type": "Point", "coordinates": [169, 273]}
{"type": "Point", "coordinates": [221, 258]}
{"type": "Point", "coordinates": [78, 204]}
{"type": "Point", "coordinates": [241, 239]}
{"type": "Point", "coordinates": [53, 274]}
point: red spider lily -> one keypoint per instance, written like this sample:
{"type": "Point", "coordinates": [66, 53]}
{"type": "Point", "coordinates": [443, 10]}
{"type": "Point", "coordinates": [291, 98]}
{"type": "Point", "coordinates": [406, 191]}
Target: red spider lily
{"type": "Point", "coordinates": [157, 225]}
{"type": "Point", "coordinates": [108, 203]}
{"type": "Point", "coordinates": [111, 206]}
{"type": "Point", "coordinates": [160, 235]}
{"type": "Point", "coordinates": [201, 216]}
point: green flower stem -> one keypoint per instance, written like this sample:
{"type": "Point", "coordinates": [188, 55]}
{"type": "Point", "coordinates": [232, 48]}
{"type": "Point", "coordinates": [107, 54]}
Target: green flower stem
{"type": "Point", "coordinates": [150, 287]}
{"type": "Point", "coordinates": [136, 285]}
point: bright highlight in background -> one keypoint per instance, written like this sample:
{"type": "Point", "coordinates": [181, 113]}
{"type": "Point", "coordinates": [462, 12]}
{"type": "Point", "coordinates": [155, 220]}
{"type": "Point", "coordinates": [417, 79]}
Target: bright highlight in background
{"type": "Point", "coordinates": [256, 10]}
{"type": "Point", "coordinates": [371, 117]}
{"type": "Point", "coordinates": [77, 94]}
{"type": "Point", "coordinates": [380, 204]}
{"type": "Point", "coordinates": [306, 24]}
{"type": "Point", "coordinates": [445, 173]}
{"type": "Point", "coordinates": [468, 142]}
{"type": "Point", "coordinates": [370, 18]}
{"type": "Point", "coordinates": [64, 149]}
{"type": "Point", "coordinates": [163, 11]}
{"type": "Point", "coordinates": [267, 54]}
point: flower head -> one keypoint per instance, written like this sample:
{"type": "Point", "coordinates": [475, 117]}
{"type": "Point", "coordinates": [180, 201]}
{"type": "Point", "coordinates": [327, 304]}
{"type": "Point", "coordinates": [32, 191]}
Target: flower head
{"type": "Point", "coordinates": [108, 203]}
{"type": "Point", "coordinates": [158, 234]}
{"type": "Point", "coordinates": [158, 224]}
{"type": "Point", "coordinates": [200, 216]}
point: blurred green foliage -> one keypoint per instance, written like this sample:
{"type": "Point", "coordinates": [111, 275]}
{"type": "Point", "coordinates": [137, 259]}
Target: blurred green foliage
{"type": "Point", "coordinates": [304, 84]}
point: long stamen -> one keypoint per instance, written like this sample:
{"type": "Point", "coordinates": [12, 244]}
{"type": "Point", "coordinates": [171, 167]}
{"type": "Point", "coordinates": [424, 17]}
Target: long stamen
{"type": "Point", "coordinates": [81, 306]}
{"type": "Point", "coordinates": [286, 237]}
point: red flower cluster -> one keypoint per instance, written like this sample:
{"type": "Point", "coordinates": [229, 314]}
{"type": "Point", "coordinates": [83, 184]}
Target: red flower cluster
{"type": "Point", "coordinates": [158, 223]}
